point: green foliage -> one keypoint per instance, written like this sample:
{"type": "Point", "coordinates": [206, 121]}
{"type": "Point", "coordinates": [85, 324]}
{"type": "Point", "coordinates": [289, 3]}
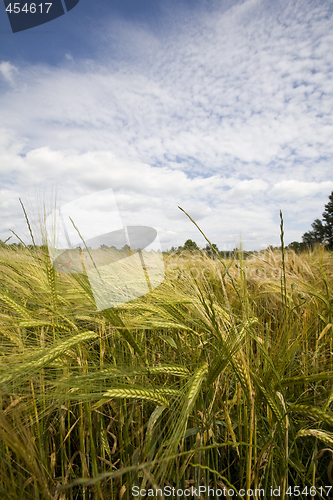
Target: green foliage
{"type": "Point", "coordinates": [212, 250]}
{"type": "Point", "coordinates": [190, 246]}
{"type": "Point", "coordinates": [328, 226]}
{"type": "Point", "coordinates": [322, 231]}
{"type": "Point", "coordinates": [296, 246]}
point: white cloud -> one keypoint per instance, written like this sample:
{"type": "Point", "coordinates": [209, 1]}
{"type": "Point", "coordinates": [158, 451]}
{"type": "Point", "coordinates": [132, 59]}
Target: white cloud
{"type": "Point", "coordinates": [146, 195]}
{"type": "Point", "coordinates": [298, 189]}
{"type": "Point", "coordinates": [245, 189]}
{"type": "Point", "coordinates": [8, 72]}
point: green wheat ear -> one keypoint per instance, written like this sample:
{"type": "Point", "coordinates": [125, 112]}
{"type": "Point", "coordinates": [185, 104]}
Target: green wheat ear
{"type": "Point", "coordinates": [153, 395]}
{"type": "Point", "coordinates": [312, 412]}
{"type": "Point", "coordinates": [189, 400]}
{"type": "Point", "coordinates": [12, 304]}
{"type": "Point", "coordinates": [45, 357]}
{"type": "Point", "coordinates": [325, 437]}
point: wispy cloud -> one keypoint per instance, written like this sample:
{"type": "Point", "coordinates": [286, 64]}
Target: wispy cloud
{"type": "Point", "coordinates": [298, 189]}
{"type": "Point", "coordinates": [8, 72]}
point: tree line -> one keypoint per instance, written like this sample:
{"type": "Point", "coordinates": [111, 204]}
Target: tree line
{"type": "Point", "coordinates": [321, 233]}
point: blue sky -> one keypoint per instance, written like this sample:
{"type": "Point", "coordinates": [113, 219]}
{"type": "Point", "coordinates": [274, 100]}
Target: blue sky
{"type": "Point", "coordinates": [223, 108]}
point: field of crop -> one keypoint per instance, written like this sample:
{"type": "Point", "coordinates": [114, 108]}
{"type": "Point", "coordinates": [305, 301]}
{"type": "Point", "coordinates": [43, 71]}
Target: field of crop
{"type": "Point", "coordinates": [221, 377]}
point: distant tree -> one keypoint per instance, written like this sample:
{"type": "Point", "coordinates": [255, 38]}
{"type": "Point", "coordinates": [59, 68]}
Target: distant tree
{"type": "Point", "coordinates": [322, 231]}
{"type": "Point", "coordinates": [44, 248]}
{"type": "Point", "coordinates": [296, 246]}
{"type": "Point", "coordinates": [210, 252]}
{"type": "Point", "coordinates": [190, 246]}
{"type": "Point", "coordinates": [127, 249]}
{"type": "Point", "coordinates": [16, 246]}
{"type": "Point", "coordinates": [272, 248]}
{"type": "Point", "coordinates": [328, 218]}
{"type": "Point", "coordinates": [229, 254]}
{"type": "Point", "coordinates": [317, 235]}
{"type": "Point", "coordinates": [3, 243]}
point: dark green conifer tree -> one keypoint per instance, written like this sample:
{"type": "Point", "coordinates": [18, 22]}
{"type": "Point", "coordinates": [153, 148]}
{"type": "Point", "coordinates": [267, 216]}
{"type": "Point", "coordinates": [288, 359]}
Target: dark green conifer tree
{"type": "Point", "coordinates": [322, 231]}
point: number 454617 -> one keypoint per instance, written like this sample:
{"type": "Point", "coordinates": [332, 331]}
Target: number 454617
{"type": "Point", "coordinates": [32, 8]}
{"type": "Point", "coordinates": [312, 491]}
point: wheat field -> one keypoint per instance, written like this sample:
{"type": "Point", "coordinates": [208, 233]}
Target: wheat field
{"type": "Point", "coordinates": [221, 376]}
